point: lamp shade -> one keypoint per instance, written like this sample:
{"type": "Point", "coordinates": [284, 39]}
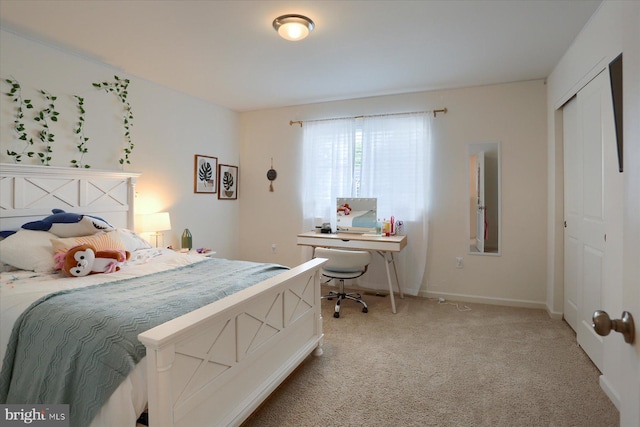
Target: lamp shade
{"type": "Point", "coordinates": [154, 222]}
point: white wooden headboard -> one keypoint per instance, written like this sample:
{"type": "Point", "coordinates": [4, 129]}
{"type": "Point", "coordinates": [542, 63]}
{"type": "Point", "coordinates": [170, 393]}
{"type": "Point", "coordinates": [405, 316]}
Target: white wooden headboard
{"type": "Point", "coordinates": [29, 192]}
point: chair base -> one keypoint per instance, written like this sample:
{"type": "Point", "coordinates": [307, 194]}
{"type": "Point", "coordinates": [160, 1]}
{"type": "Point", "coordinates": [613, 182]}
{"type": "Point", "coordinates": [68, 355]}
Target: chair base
{"type": "Point", "coordinates": [353, 296]}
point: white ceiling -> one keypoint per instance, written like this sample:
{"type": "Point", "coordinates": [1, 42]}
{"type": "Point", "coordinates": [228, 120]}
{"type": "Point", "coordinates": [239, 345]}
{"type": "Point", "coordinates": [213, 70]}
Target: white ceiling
{"type": "Point", "coordinates": [228, 53]}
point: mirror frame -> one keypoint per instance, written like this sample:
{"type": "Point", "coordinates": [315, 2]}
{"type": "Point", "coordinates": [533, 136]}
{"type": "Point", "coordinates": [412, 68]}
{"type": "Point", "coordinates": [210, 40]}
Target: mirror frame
{"type": "Point", "coordinates": [473, 149]}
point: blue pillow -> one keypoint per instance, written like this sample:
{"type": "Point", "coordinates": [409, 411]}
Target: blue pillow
{"type": "Point", "coordinates": [66, 224]}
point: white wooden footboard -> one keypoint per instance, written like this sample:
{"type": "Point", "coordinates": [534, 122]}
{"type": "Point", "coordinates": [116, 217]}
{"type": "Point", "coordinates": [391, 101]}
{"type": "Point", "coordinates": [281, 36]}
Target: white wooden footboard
{"type": "Point", "coordinates": [215, 365]}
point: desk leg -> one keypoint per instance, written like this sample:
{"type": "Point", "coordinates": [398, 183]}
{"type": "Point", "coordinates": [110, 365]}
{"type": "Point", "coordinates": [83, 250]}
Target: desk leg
{"type": "Point", "coordinates": [395, 270]}
{"type": "Point", "coordinates": [386, 265]}
{"type": "Point", "coordinates": [393, 299]}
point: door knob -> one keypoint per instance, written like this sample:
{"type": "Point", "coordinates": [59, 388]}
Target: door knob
{"type": "Point", "coordinates": [603, 324]}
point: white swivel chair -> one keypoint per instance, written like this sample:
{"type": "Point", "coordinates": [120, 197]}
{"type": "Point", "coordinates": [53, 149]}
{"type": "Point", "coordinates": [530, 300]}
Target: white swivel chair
{"type": "Point", "coordinates": [341, 265]}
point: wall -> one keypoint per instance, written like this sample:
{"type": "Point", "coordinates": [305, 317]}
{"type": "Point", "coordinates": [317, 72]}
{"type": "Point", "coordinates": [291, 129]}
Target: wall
{"type": "Point", "coordinates": [169, 128]}
{"type": "Point", "coordinates": [513, 114]}
{"type": "Point", "coordinates": [614, 28]}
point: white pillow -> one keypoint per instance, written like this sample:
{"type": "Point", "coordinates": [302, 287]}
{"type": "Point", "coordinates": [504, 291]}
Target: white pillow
{"type": "Point", "coordinates": [28, 250]}
{"type": "Point", "coordinates": [132, 240]}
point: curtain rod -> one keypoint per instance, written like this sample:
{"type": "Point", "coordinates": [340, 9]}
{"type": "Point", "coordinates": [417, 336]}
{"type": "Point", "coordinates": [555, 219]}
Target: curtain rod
{"type": "Point", "coordinates": [435, 112]}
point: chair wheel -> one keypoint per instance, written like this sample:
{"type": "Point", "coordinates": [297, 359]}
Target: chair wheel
{"type": "Point", "coordinates": [365, 310]}
{"type": "Point", "coordinates": [330, 298]}
{"type": "Point", "coordinates": [336, 314]}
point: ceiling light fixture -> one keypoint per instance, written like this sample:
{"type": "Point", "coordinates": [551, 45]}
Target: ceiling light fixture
{"type": "Point", "coordinates": [293, 27]}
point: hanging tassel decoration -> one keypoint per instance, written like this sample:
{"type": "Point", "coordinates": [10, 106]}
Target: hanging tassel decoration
{"type": "Point", "coordinates": [271, 176]}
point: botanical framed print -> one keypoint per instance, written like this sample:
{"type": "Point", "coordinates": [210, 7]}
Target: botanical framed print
{"type": "Point", "coordinates": [228, 182]}
{"type": "Point", "coordinates": [205, 174]}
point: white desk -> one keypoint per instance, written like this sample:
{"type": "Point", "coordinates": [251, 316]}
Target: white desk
{"type": "Point", "coordinates": [382, 245]}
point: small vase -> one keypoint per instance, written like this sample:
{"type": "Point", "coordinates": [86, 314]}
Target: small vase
{"type": "Point", "coordinates": [186, 239]}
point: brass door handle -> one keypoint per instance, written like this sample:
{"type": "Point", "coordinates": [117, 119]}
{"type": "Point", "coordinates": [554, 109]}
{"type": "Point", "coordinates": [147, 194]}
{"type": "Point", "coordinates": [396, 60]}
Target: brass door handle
{"type": "Point", "coordinates": [603, 324]}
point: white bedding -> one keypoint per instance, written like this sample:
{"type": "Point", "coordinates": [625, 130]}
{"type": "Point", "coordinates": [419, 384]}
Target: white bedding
{"type": "Point", "coordinates": [19, 289]}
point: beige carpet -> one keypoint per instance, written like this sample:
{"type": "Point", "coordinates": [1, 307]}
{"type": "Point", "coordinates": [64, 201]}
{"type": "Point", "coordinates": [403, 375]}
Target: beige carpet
{"type": "Point", "coordinates": [433, 365]}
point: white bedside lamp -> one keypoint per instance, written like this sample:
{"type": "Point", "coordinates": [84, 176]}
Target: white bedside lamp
{"type": "Point", "coordinates": [154, 223]}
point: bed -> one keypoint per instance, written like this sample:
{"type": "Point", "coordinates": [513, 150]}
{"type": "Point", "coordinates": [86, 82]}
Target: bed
{"type": "Point", "coordinates": [212, 365]}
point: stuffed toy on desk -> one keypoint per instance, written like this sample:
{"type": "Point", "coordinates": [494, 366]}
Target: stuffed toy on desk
{"type": "Point", "coordinates": [344, 209]}
{"type": "Point", "coordinates": [83, 260]}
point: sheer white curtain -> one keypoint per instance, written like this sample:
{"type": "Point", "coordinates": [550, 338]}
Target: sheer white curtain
{"type": "Point", "coordinates": [394, 169]}
{"type": "Point", "coordinates": [328, 157]}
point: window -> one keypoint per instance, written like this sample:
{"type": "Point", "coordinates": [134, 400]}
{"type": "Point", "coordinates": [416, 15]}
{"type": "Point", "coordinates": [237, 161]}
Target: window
{"type": "Point", "coordinates": [386, 157]}
{"type": "Point", "coordinates": [383, 157]}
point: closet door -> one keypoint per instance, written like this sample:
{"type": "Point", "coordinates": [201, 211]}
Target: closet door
{"type": "Point", "coordinates": [593, 213]}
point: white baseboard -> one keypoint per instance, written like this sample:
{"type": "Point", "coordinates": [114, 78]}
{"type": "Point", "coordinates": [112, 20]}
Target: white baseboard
{"type": "Point", "coordinates": [556, 315]}
{"type": "Point", "coordinates": [488, 300]}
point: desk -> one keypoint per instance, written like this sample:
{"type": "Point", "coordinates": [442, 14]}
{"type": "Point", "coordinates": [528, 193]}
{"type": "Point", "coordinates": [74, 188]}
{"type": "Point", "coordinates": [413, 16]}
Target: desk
{"type": "Point", "coordinates": [382, 245]}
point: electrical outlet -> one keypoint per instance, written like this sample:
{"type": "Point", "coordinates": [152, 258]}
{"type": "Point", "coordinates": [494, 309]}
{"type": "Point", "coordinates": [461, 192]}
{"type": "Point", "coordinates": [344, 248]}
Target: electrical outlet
{"type": "Point", "coordinates": [273, 248]}
{"type": "Point", "coordinates": [459, 262]}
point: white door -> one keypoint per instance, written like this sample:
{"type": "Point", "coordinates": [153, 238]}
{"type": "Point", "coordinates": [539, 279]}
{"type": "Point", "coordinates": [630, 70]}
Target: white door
{"type": "Point", "coordinates": [591, 219]}
{"type": "Point", "coordinates": [572, 210]}
{"type": "Point", "coordinates": [593, 209]}
{"type": "Point", "coordinates": [480, 203]}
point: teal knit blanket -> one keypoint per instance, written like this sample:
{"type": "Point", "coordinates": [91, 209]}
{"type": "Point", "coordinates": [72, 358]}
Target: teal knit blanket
{"type": "Point", "coordinates": [77, 346]}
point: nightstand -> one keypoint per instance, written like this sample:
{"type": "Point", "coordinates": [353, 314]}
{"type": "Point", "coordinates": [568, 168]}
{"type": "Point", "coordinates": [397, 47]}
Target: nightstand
{"type": "Point", "coordinates": [209, 254]}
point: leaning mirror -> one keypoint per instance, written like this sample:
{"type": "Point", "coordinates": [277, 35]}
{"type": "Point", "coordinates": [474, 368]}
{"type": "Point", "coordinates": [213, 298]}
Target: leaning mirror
{"type": "Point", "coordinates": [484, 198]}
{"type": "Point", "coordinates": [356, 215]}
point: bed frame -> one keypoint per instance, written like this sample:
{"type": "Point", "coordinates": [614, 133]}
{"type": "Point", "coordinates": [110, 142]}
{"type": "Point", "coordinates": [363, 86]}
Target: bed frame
{"type": "Point", "coordinates": [28, 193]}
{"type": "Point", "coordinates": [215, 365]}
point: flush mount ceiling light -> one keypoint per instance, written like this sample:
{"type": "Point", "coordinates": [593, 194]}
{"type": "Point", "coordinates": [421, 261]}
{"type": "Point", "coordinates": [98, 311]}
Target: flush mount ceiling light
{"type": "Point", "coordinates": [293, 27]}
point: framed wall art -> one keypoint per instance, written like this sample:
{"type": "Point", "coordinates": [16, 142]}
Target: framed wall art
{"type": "Point", "coordinates": [205, 174]}
{"type": "Point", "coordinates": [228, 182]}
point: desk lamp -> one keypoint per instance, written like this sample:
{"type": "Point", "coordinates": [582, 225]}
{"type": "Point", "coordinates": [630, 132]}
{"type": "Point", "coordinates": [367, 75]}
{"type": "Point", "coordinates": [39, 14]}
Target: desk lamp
{"type": "Point", "coordinates": [154, 223]}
